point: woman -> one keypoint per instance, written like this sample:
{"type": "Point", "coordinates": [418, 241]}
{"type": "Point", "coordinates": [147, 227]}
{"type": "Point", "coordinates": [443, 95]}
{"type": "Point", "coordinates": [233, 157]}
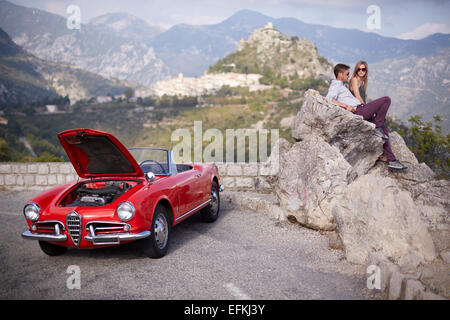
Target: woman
{"type": "Point", "coordinates": [358, 87]}
{"type": "Point", "coordinates": [358, 82]}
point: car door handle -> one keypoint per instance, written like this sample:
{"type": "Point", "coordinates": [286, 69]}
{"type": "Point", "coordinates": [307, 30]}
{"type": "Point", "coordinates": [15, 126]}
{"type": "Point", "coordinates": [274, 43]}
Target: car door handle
{"type": "Point", "coordinates": [198, 175]}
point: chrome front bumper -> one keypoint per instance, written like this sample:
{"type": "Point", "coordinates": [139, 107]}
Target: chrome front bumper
{"type": "Point", "coordinates": [44, 236]}
{"type": "Point", "coordinates": [115, 238]}
{"type": "Point", "coordinates": [56, 236]}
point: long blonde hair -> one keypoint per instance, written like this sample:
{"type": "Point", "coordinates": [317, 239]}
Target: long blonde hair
{"type": "Point", "coordinates": [366, 77]}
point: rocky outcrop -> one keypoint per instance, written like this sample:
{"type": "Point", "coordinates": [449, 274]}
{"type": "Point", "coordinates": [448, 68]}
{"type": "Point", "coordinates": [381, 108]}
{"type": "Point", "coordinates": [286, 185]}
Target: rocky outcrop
{"type": "Point", "coordinates": [330, 180]}
{"type": "Point", "coordinates": [375, 214]}
{"type": "Point", "coordinates": [311, 173]}
{"type": "Point", "coordinates": [356, 139]}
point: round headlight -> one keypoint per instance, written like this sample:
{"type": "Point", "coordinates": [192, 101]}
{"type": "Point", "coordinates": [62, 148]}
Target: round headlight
{"type": "Point", "coordinates": [125, 211]}
{"type": "Point", "coordinates": [31, 211]}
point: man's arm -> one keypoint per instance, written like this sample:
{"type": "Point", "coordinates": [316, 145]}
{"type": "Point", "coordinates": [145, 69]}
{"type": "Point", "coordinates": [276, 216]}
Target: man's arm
{"type": "Point", "coordinates": [343, 105]}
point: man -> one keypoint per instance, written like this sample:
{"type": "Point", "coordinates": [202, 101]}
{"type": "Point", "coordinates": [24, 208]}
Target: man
{"type": "Point", "coordinates": [374, 111]}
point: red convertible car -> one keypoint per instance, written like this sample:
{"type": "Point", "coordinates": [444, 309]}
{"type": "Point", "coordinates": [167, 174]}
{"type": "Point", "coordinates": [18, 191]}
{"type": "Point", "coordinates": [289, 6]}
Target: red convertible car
{"type": "Point", "coordinates": [122, 195]}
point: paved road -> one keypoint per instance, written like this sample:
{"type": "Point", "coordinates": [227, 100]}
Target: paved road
{"type": "Point", "coordinates": [243, 255]}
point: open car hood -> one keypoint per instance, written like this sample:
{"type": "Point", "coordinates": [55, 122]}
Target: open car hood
{"type": "Point", "coordinates": [95, 153]}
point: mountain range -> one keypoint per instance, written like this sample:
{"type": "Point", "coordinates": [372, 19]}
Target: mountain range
{"type": "Point", "coordinates": [25, 78]}
{"type": "Point", "coordinates": [122, 46]}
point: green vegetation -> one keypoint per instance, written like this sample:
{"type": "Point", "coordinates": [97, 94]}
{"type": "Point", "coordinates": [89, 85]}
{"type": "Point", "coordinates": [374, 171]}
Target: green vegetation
{"type": "Point", "coordinates": [428, 143]}
{"type": "Point", "coordinates": [152, 120]}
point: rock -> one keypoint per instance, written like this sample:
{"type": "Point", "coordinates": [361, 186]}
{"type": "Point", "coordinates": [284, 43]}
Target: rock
{"type": "Point", "coordinates": [413, 289]}
{"type": "Point", "coordinates": [445, 255]}
{"type": "Point", "coordinates": [397, 285]}
{"type": "Point", "coordinates": [402, 152]}
{"type": "Point", "coordinates": [334, 241]}
{"type": "Point", "coordinates": [436, 277]}
{"type": "Point", "coordinates": [311, 173]}
{"type": "Point", "coordinates": [387, 268]}
{"type": "Point", "coordinates": [263, 203]}
{"type": "Point", "coordinates": [375, 214]}
{"type": "Point", "coordinates": [427, 295]}
{"type": "Point", "coordinates": [355, 138]}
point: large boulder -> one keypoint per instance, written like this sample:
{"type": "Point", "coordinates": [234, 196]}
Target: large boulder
{"type": "Point", "coordinates": [330, 180]}
{"type": "Point", "coordinates": [356, 139]}
{"type": "Point", "coordinates": [311, 173]}
{"type": "Point", "coordinates": [375, 214]}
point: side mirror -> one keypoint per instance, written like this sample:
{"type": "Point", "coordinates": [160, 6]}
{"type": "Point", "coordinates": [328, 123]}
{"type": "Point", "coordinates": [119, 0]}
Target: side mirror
{"type": "Point", "coordinates": [150, 176]}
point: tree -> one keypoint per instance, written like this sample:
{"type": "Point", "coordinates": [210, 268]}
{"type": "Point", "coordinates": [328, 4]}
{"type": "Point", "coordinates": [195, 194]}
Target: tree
{"type": "Point", "coordinates": [129, 93]}
{"type": "Point", "coordinates": [4, 150]}
{"type": "Point", "coordinates": [430, 145]}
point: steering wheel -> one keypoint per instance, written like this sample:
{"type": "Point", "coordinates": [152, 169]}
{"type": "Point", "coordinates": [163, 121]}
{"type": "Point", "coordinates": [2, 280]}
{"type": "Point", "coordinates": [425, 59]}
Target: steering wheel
{"type": "Point", "coordinates": [161, 166]}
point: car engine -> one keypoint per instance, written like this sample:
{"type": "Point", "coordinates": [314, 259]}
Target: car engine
{"type": "Point", "coordinates": [96, 197]}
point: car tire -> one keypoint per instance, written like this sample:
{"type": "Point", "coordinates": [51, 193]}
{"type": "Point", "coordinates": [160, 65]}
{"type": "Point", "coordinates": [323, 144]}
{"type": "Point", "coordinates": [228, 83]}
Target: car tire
{"type": "Point", "coordinates": [52, 249]}
{"type": "Point", "coordinates": [211, 212]}
{"type": "Point", "coordinates": [157, 243]}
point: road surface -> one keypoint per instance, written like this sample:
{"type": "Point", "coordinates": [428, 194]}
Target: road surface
{"type": "Point", "coordinates": [243, 255]}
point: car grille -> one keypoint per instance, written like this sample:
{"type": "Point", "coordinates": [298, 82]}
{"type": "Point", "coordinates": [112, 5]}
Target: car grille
{"type": "Point", "coordinates": [73, 223]}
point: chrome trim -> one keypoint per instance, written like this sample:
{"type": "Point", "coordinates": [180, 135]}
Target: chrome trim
{"type": "Point", "coordinates": [115, 238]}
{"type": "Point", "coordinates": [74, 231]}
{"type": "Point", "coordinates": [132, 207]}
{"type": "Point", "coordinates": [36, 205]}
{"type": "Point", "coordinates": [192, 210]}
{"type": "Point", "coordinates": [120, 225]}
{"type": "Point", "coordinates": [49, 221]}
{"type": "Point", "coordinates": [43, 236]}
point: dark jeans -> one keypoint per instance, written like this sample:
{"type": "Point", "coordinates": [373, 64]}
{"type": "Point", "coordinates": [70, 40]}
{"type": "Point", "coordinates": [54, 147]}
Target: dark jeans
{"type": "Point", "coordinates": [375, 112]}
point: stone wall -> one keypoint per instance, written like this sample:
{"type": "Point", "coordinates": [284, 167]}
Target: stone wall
{"type": "Point", "coordinates": [44, 175]}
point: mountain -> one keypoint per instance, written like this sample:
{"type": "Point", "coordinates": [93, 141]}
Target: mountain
{"type": "Point", "coordinates": [416, 85]}
{"type": "Point", "coordinates": [269, 51]}
{"type": "Point", "coordinates": [202, 46]}
{"type": "Point", "coordinates": [25, 78]}
{"type": "Point", "coordinates": [111, 55]}
{"type": "Point", "coordinates": [125, 25]}
{"type": "Point", "coordinates": [125, 47]}
{"type": "Point", "coordinates": [131, 54]}
{"type": "Point", "coordinates": [20, 79]}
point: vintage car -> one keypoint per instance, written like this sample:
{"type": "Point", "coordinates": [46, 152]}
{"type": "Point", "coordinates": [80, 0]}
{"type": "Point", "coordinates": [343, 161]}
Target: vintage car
{"type": "Point", "coordinates": [122, 195]}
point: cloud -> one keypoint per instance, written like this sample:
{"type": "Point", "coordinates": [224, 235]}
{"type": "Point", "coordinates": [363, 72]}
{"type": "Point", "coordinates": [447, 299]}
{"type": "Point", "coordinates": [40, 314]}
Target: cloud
{"type": "Point", "coordinates": [425, 30]}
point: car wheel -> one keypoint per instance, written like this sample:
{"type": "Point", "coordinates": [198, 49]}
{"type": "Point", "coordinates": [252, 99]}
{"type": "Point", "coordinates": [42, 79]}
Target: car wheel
{"type": "Point", "coordinates": [52, 249]}
{"type": "Point", "coordinates": [157, 244]}
{"type": "Point", "coordinates": [211, 212]}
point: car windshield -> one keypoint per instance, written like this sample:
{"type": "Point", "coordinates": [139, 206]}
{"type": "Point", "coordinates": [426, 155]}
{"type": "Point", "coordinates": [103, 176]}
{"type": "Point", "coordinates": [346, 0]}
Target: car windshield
{"type": "Point", "coordinates": [158, 161]}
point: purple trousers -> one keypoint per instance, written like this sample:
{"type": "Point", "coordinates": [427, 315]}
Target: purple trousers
{"type": "Point", "coordinates": [375, 112]}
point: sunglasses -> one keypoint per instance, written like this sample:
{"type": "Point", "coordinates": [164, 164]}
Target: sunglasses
{"type": "Point", "coordinates": [362, 69]}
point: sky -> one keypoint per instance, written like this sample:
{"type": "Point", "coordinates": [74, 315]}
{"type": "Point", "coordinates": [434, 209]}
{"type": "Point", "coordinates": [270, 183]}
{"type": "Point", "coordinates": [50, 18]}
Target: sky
{"type": "Point", "coordinates": [405, 19]}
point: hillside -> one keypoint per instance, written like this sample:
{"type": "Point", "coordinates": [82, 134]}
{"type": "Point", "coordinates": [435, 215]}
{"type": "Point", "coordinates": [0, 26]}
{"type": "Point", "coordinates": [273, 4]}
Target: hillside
{"type": "Point", "coordinates": [108, 54]}
{"type": "Point", "coordinates": [25, 78]}
{"type": "Point", "coordinates": [276, 56]}
{"type": "Point", "coordinates": [20, 80]}
{"type": "Point", "coordinates": [416, 85]}
{"type": "Point", "coordinates": [125, 25]}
